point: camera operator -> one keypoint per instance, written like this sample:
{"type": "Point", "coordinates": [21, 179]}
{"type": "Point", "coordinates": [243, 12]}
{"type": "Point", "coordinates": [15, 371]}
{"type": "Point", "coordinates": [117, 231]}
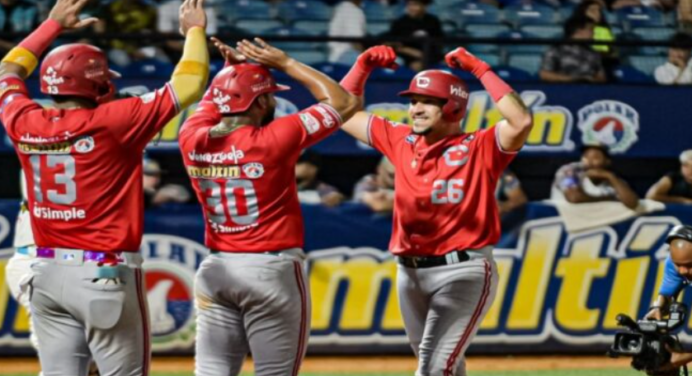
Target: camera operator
{"type": "Point", "coordinates": [678, 273]}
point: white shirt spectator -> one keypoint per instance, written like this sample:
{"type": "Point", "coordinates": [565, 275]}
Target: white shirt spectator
{"type": "Point", "coordinates": [348, 20]}
{"type": "Point", "coordinates": [168, 21]}
{"type": "Point", "coordinates": [667, 73]}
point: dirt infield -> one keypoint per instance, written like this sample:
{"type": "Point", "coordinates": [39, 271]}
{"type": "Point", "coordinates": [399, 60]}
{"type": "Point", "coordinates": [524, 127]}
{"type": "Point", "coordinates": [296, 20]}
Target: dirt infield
{"type": "Point", "coordinates": [375, 363]}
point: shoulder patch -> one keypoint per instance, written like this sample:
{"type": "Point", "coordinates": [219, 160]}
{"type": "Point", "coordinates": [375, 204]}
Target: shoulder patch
{"type": "Point", "coordinates": [310, 123]}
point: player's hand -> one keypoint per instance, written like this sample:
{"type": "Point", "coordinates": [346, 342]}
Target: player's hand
{"type": "Point", "coordinates": [460, 58]}
{"type": "Point", "coordinates": [191, 15]}
{"type": "Point", "coordinates": [66, 13]}
{"type": "Point", "coordinates": [378, 57]}
{"type": "Point", "coordinates": [598, 173]}
{"type": "Point", "coordinates": [261, 52]}
{"type": "Point", "coordinates": [230, 54]}
{"type": "Point", "coordinates": [332, 199]}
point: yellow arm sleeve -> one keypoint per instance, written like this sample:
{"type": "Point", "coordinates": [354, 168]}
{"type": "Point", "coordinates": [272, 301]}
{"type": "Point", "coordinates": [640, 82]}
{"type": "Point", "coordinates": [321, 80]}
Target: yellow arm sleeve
{"type": "Point", "coordinates": [190, 76]}
{"type": "Point", "coordinates": [22, 57]}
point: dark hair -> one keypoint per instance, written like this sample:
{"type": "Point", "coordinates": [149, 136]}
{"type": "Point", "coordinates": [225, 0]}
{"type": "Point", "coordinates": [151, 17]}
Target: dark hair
{"type": "Point", "coordinates": [576, 23]}
{"type": "Point", "coordinates": [580, 11]}
{"type": "Point", "coordinates": [681, 40]}
{"type": "Point", "coordinates": [602, 148]}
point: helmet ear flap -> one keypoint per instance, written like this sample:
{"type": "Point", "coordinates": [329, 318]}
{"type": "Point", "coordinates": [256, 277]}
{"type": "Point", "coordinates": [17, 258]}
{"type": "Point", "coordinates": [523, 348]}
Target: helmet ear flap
{"type": "Point", "coordinates": [108, 95]}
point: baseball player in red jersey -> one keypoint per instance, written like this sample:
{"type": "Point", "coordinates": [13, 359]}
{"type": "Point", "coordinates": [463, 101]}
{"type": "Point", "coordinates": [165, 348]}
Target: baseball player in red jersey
{"type": "Point", "coordinates": [83, 166]}
{"type": "Point", "coordinates": [251, 293]}
{"type": "Point", "coordinates": [445, 216]}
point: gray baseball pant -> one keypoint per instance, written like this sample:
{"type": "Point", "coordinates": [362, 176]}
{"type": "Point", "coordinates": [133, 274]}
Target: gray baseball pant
{"type": "Point", "coordinates": [252, 302]}
{"type": "Point", "coordinates": [443, 307]}
{"type": "Point", "coordinates": [78, 314]}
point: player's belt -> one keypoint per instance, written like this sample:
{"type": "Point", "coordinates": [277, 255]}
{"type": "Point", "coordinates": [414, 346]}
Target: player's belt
{"type": "Point", "coordinates": [453, 257]}
{"type": "Point", "coordinates": [67, 256]}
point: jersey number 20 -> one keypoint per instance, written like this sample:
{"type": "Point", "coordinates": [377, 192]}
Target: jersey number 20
{"type": "Point", "coordinates": [238, 200]}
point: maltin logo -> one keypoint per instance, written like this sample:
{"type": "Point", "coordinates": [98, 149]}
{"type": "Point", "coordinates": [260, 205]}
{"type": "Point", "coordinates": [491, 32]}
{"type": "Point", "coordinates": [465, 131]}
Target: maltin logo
{"type": "Point", "coordinates": [610, 123]}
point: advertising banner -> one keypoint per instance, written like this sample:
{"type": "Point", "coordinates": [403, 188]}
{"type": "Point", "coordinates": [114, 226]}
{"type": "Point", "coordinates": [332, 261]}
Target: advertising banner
{"type": "Point", "coordinates": [633, 120]}
{"type": "Point", "coordinates": [557, 291]}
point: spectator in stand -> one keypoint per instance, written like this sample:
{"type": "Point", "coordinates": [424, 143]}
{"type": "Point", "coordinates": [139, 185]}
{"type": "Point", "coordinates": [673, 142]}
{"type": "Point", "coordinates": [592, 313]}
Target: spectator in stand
{"type": "Point", "coordinates": [573, 62]}
{"type": "Point", "coordinates": [591, 180]}
{"type": "Point", "coordinates": [377, 190]}
{"type": "Point", "coordinates": [509, 193]}
{"type": "Point", "coordinates": [678, 69]}
{"type": "Point", "coordinates": [167, 22]}
{"type": "Point", "coordinates": [310, 189]}
{"type": "Point", "coordinates": [417, 23]}
{"type": "Point", "coordinates": [154, 193]}
{"type": "Point", "coordinates": [348, 20]}
{"type": "Point", "coordinates": [675, 187]}
{"type": "Point", "coordinates": [594, 10]}
{"type": "Point", "coordinates": [685, 16]}
{"type": "Point", "coordinates": [136, 17]}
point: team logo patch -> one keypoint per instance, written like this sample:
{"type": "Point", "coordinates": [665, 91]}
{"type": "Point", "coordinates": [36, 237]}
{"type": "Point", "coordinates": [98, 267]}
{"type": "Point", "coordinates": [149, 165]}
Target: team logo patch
{"type": "Point", "coordinates": [253, 170]}
{"type": "Point", "coordinates": [148, 97]}
{"type": "Point", "coordinates": [411, 139]}
{"type": "Point", "coordinates": [52, 79]}
{"type": "Point", "coordinates": [84, 144]}
{"type": "Point", "coordinates": [422, 81]}
{"type": "Point", "coordinates": [611, 123]}
{"type": "Point", "coordinates": [456, 155]}
{"type": "Point", "coordinates": [221, 101]}
{"type": "Point", "coordinates": [310, 123]}
{"type": "Point", "coordinates": [327, 119]}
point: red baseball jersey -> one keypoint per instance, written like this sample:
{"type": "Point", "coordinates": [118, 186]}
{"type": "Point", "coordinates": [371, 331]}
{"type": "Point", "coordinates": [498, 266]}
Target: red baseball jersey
{"type": "Point", "coordinates": [444, 193]}
{"type": "Point", "coordinates": [246, 181]}
{"type": "Point", "coordinates": [84, 166]}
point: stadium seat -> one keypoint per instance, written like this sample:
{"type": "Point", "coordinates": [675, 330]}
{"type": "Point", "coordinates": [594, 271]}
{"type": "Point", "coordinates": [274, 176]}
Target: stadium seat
{"type": "Point", "coordinates": [292, 32]}
{"type": "Point", "coordinates": [304, 9]}
{"type": "Point", "coordinates": [248, 9]}
{"type": "Point", "coordinates": [449, 28]}
{"type": "Point", "coordinates": [471, 12]}
{"type": "Point", "coordinates": [630, 75]}
{"type": "Point", "coordinates": [310, 57]}
{"type": "Point", "coordinates": [258, 26]}
{"type": "Point", "coordinates": [530, 14]}
{"type": "Point", "coordinates": [530, 63]}
{"type": "Point", "coordinates": [403, 73]}
{"type": "Point", "coordinates": [632, 17]}
{"type": "Point", "coordinates": [492, 59]}
{"type": "Point", "coordinates": [646, 64]}
{"type": "Point", "coordinates": [375, 11]}
{"type": "Point", "coordinates": [377, 27]}
{"type": "Point", "coordinates": [543, 31]}
{"type": "Point", "coordinates": [512, 74]}
{"type": "Point", "coordinates": [485, 31]}
{"type": "Point", "coordinates": [319, 27]}
{"type": "Point", "coordinates": [536, 49]}
{"type": "Point", "coordinates": [662, 34]}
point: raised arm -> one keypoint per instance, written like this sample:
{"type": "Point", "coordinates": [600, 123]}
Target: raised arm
{"type": "Point", "coordinates": [324, 89]}
{"type": "Point", "coordinates": [660, 192]}
{"type": "Point", "coordinates": [354, 83]}
{"type": "Point", "coordinates": [514, 130]}
{"type": "Point", "coordinates": [23, 59]}
{"type": "Point", "coordinates": [190, 76]}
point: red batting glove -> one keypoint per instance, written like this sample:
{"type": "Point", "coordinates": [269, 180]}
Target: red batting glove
{"type": "Point", "coordinates": [460, 58]}
{"type": "Point", "coordinates": [378, 57]}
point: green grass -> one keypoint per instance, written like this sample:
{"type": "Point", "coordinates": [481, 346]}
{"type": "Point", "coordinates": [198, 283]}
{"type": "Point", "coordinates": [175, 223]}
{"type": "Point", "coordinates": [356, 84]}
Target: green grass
{"type": "Point", "coordinates": [602, 372]}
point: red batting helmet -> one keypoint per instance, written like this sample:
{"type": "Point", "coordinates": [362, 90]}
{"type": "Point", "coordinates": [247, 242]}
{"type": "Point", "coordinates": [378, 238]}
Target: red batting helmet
{"type": "Point", "coordinates": [236, 87]}
{"type": "Point", "coordinates": [80, 70]}
{"type": "Point", "coordinates": [442, 85]}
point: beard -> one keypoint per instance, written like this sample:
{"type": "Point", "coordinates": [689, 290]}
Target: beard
{"type": "Point", "coordinates": [423, 132]}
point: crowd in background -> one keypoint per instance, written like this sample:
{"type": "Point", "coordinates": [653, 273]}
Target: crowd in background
{"type": "Point", "coordinates": [413, 27]}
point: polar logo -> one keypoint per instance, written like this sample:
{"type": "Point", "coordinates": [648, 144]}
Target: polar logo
{"type": "Point", "coordinates": [51, 77]}
{"type": "Point", "coordinates": [422, 82]}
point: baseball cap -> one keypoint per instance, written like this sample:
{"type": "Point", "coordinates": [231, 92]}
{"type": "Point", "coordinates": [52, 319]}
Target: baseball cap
{"type": "Point", "coordinates": [686, 156]}
{"type": "Point", "coordinates": [680, 232]}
